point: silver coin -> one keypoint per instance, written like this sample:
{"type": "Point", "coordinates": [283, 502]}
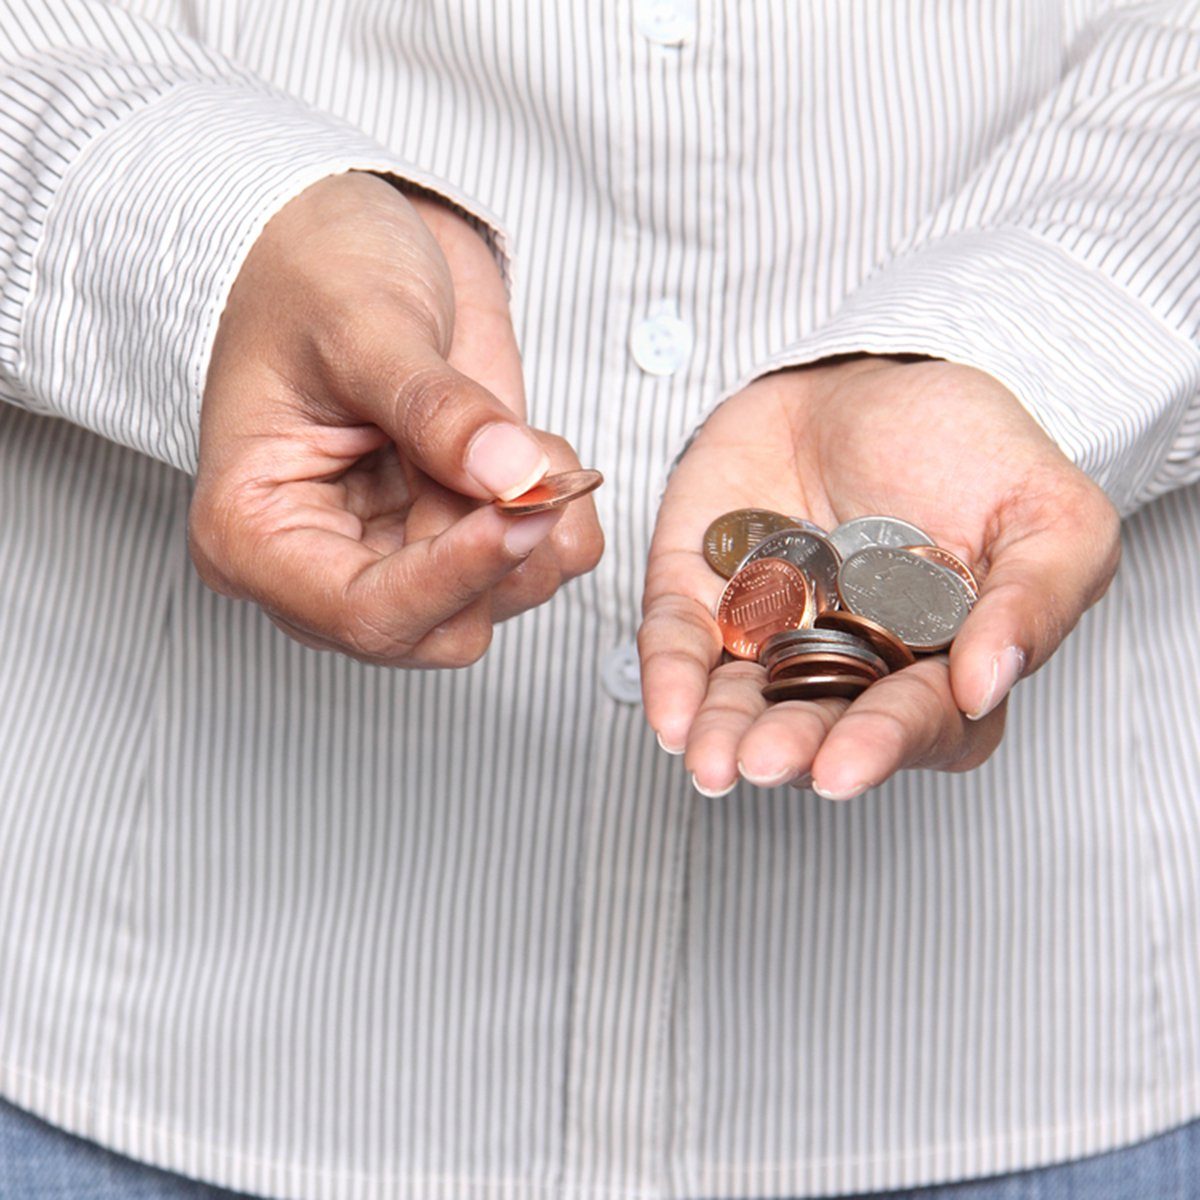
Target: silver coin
{"type": "Point", "coordinates": [862, 654]}
{"type": "Point", "coordinates": [809, 551]}
{"type": "Point", "coordinates": [862, 532]}
{"type": "Point", "coordinates": [796, 641]}
{"type": "Point", "coordinates": [922, 604]}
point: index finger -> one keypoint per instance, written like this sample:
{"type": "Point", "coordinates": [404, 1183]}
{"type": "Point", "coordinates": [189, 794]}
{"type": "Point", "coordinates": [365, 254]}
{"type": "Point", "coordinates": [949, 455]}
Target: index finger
{"type": "Point", "coordinates": [679, 642]}
{"type": "Point", "coordinates": [377, 605]}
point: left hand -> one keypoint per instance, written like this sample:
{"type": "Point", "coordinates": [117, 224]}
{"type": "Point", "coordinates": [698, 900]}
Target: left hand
{"type": "Point", "coordinates": [943, 446]}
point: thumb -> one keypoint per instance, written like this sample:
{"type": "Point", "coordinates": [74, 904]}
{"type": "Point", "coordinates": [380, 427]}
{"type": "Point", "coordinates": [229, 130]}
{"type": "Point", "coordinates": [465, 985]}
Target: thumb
{"type": "Point", "coordinates": [457, 431]}
{"type": "Point", "coordinates": [1042, 579]}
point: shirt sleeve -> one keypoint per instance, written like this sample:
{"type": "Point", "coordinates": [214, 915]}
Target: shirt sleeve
{"type": "Point", "coordinates": [137, 167]}
{"type": "Point", "coordinates": [1068, 267]}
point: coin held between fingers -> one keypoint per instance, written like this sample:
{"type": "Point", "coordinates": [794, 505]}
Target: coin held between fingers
{"type": "Point", "coordinates": [552, 492]}
{"type": "Point", "coordinates": [505, 460]}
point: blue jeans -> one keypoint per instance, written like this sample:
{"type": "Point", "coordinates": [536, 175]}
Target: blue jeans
{"type": "Point", "coordinates": [40, 1162]}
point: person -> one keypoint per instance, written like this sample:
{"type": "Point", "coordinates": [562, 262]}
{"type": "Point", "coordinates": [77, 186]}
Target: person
{"type": "Point", "coordinates": [338, 853]}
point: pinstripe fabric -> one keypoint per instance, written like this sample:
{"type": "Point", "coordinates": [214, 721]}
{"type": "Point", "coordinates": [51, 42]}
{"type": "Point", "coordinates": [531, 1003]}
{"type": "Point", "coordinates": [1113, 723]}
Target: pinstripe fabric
{"type": "Point", "coordinates": [310, 928]}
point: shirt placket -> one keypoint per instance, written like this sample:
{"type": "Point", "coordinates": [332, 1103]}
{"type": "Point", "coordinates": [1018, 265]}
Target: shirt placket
{"type": "Point", "coordinates": [663, 366]}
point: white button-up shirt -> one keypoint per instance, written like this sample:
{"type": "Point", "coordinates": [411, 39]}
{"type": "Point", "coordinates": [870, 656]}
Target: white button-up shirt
{"type": "Point", "coordinates": [315, 929]}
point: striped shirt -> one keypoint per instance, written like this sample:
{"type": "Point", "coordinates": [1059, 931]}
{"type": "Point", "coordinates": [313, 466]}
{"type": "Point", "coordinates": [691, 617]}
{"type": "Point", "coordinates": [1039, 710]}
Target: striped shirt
{"type": "Point", "coordinates": [312, 928]}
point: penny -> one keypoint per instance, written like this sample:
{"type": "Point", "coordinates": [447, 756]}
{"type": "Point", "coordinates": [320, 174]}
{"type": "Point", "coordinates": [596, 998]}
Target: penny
{"type": "Point", "coordinates": [828, 663]}
{"type": "Point", "coordinates": [885, 643]}
{"type": "Point", "coordinates": [922, 604]}
{"type": "Point", "coordinates": [552, 491]}
{"type": "Point", "coordinates": [761, 599]}
{"type": "Point", "coordinates": [815, 687]}
{"type": "Point", "coordinates": [733, 535]}
{"type": "Point", "coordinates": [858, 650]}
{"type": "Point", "coordinates": [812, 553]}
{"type": "Point", "coordinates": [949, 562]}
{"type": "Point", "coordinates": [862, 532]}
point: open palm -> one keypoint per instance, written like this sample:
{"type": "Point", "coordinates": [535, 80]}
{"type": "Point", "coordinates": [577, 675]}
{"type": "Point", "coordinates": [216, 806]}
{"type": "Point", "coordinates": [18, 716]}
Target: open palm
{"type": "Point", "coordinates": [943, 446]}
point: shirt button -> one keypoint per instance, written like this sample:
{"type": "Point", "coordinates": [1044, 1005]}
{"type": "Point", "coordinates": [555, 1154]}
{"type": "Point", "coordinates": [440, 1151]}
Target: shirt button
{"type": "Point", "coordinates": [661, 343]}
{"type": "Point", "coordinates": [667, 22]}
{"type": "Point", "coordinates": [621, 674]}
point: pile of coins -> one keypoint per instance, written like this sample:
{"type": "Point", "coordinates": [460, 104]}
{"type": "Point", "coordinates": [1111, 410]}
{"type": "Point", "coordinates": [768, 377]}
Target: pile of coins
{"type": "Point", "coordinates": [829, 613]}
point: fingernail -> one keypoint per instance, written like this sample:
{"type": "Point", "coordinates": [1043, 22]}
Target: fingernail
{"type": "Point", "coordinates": [527, 533]}
{"type": "Point", "coordinates": [505, 460]}
{"type": "Point", "coordinates": [842, 793]}
{"type": "Point", "coordinates": [1006, 670]}
{"type": "Point", "coordinates": [669, 749]}
{"type": "Point", "coordinates": [713, 795]}
{"type": "Point", "coordinates": [765, 781]}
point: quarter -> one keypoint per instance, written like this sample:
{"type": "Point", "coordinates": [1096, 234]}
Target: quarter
{"type": "Point", "coordinates": [949, 562]}
{"type": "Point", "coordinates": [862, 532]}
{"type": "Point", "coordinates": [922, 604]}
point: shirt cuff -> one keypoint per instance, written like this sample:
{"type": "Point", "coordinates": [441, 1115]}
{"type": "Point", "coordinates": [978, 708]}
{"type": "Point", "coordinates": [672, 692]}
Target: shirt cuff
{"type": "Point", "coordinates": [1104, 377]}
{"type": "Point", "coordinates": [146, 233]}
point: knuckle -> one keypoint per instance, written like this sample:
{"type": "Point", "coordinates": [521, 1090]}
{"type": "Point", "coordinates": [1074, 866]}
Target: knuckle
{"type": "Point", "coordinates": [975, 748]}
{"type": "Point", "coordinates": [455, 574]}
{"type": "Point", "coordinates": [579, 550]}
{"type": "Point", "coordinates": [366, 638]}
{"type": "Point", "coordinates": [561, 452]}
{"type": "Point", "coordinates": [669, 615]}
{"type": "Point", "coordinates": [463, 647]}
{"type": "Point", "coordinates": [215, 530]}
{"type": "Point", "coordinates": [536, 579]}
{"type": "Point", "coordinates": [423, 404]}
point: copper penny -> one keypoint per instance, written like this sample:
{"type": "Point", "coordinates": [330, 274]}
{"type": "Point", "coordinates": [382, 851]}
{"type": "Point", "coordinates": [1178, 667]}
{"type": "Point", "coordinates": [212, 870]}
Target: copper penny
{"type": "Point", "coordinates": [734, 534]}
{"type": "Point", "coordinates": [828, 663]}
{"type": "Point", "coordinates": [881, 639]}
{"type": "Point", "coordinates": [815, 687]}
{"type": "Point", "coordinates": [812, 553]}
{"type": "Point", "coordinates": [949, 562]}
{"type": "Point", "coordinates": [763, 598]}
{"type": "Point", "coordinates": [552, 491]}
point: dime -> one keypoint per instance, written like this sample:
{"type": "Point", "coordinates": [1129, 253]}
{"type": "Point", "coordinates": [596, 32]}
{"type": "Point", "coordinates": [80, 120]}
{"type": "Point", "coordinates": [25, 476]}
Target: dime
{"type": "Point", "coordinates": [815, 687]}
{"type": "Point", "coordinates": [922, 604]}
{"type": "Point", "coordinates": [796, 641]}
{"type": "Point", "coordinates": [761, 599]}
{"type": "Point", "coordinates": [733, 535]}
{"type": "Point", "coordinates": [885, 643]}
{"type": "Point", "coordinates": [552, 491]}
{"type": "Point", "coordinates": [862, 532]}
{"type": "Point", "coordinates": [949, 562]}
{"type": "Point", "coordinates": [812, 553]}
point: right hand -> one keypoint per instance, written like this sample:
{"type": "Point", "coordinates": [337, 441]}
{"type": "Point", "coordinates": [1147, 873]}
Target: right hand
{"type": "Point", "coordinates": [364, 401]}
